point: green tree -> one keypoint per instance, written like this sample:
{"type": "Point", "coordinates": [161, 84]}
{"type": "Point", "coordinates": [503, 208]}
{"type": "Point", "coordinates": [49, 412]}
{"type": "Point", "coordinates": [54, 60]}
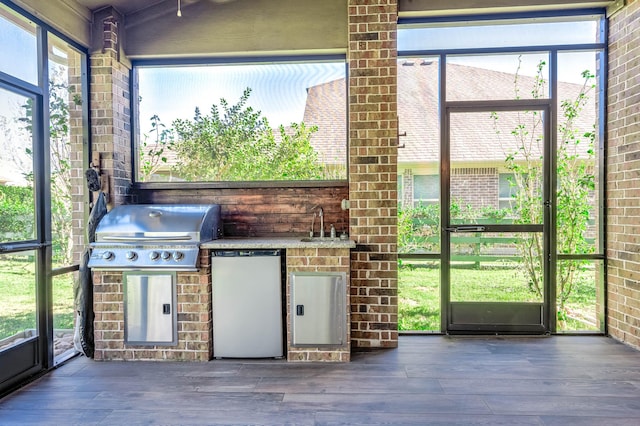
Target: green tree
{"type": "Point", "coordinates": [235, 142]}
{"type": "Point", "coordinates": [60, 165]}
{"type": "Point", "coordinates": [154, 149]}
{"type": "Point", "coordinates": [17, 218]}
{"type": "Point", "coordinates": [575, 183]}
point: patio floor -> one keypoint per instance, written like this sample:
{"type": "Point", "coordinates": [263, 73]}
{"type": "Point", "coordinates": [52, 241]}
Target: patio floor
{"type": "Point", "coordinates": [560, 380]}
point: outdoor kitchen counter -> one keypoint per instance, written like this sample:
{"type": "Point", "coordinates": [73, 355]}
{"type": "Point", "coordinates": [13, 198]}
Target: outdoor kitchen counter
{"type": "Point", "coordinates": [277, 243]}
{"type": "Point", "coordinates": [320, 260]}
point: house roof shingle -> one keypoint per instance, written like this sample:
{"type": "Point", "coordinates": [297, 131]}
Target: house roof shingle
{"type": "Point", "coordinates": [473, 135]}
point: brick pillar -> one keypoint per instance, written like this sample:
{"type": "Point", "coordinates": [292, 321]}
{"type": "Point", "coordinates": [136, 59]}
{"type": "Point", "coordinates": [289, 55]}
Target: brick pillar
{"type": "Point", "coordinates": [623, 172]}
{"type": "Point", "coordinates": [77, 150]}
{"type": "Point", "coordinates": [373, 156]}
{"type": "Point", "coordinates": [110, 106]}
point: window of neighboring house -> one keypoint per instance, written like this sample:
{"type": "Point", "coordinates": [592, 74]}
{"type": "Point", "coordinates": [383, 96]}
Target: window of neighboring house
{"type": "Point", "coordinates": [426, 189]}
{"type": "Point", "coordinates": [235, 122]}
{"type": "Point", "coordinates": [506, 190]}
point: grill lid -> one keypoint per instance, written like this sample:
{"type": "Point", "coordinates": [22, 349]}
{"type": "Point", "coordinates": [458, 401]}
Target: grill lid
{"type": "Point", "coordinates": [149, 223]}
{"type": "Point", "coordinates": [161, 237]}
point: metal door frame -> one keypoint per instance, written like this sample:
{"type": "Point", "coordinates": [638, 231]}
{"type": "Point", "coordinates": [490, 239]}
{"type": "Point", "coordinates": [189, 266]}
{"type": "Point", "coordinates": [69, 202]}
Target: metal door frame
{"type": "Point", "coordinates": [506, 308]}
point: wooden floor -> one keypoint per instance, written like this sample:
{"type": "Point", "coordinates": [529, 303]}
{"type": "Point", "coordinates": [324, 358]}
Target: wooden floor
{"type": "Point", "coordinates": [561, 380]}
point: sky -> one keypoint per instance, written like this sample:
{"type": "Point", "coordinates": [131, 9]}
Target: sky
{"type": "Point", "coordinates": [278, 90]}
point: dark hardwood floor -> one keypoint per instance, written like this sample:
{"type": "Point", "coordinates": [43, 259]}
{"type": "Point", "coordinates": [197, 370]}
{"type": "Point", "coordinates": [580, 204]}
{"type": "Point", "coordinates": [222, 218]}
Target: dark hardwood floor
{"type": "Point", "coordinates": [560, 380]}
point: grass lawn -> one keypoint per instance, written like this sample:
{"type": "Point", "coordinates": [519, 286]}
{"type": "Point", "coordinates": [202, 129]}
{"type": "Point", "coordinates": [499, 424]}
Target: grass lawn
{"type": "Point", "coordinates": [18, 297]}
{"type": "Point", "coordinates": [419, 293]}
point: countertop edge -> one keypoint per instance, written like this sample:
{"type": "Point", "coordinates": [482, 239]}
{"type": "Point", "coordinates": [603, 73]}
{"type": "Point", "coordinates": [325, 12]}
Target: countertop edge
{"type": "Point", "coordinates": [277, 243]}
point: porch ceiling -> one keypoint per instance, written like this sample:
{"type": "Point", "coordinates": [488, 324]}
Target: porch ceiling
{"type": "Point", "coordinates": [128, 7]}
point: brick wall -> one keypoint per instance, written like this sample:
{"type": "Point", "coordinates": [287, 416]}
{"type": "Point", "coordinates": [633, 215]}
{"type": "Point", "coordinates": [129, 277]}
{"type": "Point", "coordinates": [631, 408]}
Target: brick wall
{"type": "Point", "coordinates": [316, 260]}
{"type": "Point", "coordinates": [373, 152]}
{"type": "Point", "coordinates": [623, 176]}
{"type": "Point", "coordinates": [77, 151]}
{"type": "Point", "coordinates": [475, 187]}
{"type": "Point", "coordinates": [111, 110]}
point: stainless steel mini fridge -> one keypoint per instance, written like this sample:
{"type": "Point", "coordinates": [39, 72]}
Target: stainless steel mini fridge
{"type": "Point", "coordinates": [247, 304]}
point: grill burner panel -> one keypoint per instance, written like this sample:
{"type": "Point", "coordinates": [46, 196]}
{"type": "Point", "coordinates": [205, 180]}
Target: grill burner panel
{"type": "Point", "coordinates": [160, 237]}
{"type": "Point", "coordinates": [179, 257]}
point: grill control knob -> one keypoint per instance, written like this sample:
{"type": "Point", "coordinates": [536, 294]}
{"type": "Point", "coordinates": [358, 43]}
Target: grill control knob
{"type": "Point", "coordinates": [108, 255]}
{"type": "Point", "coordinates": [178, 255]}
{"type": "Point", "coordinates": [166, 255]}
{"type": "Point", "coordinates": [154, 255]}
{"type": "Point", "coordinates": [131, 255]}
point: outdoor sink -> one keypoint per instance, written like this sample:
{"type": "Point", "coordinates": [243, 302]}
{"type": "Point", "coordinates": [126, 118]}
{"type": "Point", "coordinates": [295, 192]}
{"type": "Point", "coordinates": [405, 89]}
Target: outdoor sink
{"type": "Point", "coordinates": [318, 239]}
{"type": "Point", "coordinates": [314, 239]}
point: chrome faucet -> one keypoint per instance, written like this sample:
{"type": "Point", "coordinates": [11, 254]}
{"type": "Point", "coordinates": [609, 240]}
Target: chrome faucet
{"type": "Point", "coordinates": [313, 221]}
{"type": "Point", "coordinates": [321, 216]}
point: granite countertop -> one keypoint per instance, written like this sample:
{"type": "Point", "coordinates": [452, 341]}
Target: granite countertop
{"type": "Point", "coordinates": [277, 243]}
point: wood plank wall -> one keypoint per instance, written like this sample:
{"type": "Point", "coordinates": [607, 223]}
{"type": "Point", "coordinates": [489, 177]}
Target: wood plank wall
{"type": "Point", "coordinates": [262, 212]}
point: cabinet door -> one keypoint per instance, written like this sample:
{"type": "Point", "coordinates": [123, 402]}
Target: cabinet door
{"type": "Point", "coordinates": [150, 309]}
{"type": "Point", "coordinates": [318, 308]}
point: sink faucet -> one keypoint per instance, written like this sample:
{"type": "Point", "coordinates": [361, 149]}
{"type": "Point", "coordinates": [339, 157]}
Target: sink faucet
{"type": "Point", "coordinates": [313, 221]}
{"type": "Point", "coordinates": [321, 216]}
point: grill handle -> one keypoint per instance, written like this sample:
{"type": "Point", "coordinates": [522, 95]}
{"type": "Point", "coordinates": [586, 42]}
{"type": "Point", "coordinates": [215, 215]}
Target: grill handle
{"type": "Point", "coordinates": [148, 238]}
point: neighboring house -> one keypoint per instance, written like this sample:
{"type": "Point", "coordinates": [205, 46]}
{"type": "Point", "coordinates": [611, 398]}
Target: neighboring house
{"type": "Point", "coordinates": [478, 152]}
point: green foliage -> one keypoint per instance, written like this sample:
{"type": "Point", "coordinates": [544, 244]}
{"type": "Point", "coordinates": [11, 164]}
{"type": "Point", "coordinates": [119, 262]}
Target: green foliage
{"type": "Point", "coordinates": [419, 228]}
{"type": "Point", "coordinates": [59, 143]}
{"type": "Point", "coordinates": [233, 143]}
{"type": "Point", "coordinates": [60, 165]}
{"type": "Point", "coordinates": [17, 213]}
{"type": "Point", "coordinates": [154, 149]}
{"type": "Point", "coordinates": [576, 182]}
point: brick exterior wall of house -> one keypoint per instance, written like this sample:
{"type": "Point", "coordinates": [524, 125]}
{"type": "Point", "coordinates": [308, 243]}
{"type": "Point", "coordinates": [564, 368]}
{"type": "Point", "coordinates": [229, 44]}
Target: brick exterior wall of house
{"type": "Point", "coordinates": [623, 176]}
{"type": "Point", "coordinates": [474, 187]}
{"type": "Point", "coordinates": [373, 153]}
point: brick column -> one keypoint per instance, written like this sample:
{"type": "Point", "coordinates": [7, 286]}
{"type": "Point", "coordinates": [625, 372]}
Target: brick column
{"type": "Point", "coordinates": [110, 106]}
{"type": "Point", "coordinates": [373, 152]}
{"type": "Point", "coordinates": [623, 172]}
{"type": "Point", "coordinates": [78, 144]}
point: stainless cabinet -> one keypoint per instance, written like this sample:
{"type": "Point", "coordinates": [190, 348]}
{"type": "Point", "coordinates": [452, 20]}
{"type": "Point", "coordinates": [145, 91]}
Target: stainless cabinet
{"type": "Point", "coordinates": [150, 308]}
{"type": "Point", "coordinates": [318, 308]}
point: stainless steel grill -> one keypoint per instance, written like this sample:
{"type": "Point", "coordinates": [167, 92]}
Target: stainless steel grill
{"type": "Point", "coordinates": [154, 237]}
